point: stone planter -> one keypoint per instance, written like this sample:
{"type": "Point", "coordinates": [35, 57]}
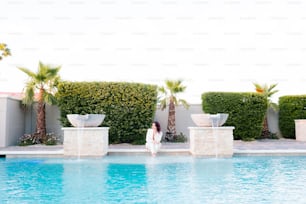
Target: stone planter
{"type": "Point", "coordinates": [300, 130]}
{"type": "Point", "coordinates": [209, 120]}
{"type": "Point", "coordinates": [88, 120]}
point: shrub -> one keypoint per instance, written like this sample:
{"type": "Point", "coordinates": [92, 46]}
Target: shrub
{"type": "Point", "coordinates": [32, 139]}
{"type": "Point", "coordinates": [246, 111]}
{"type": "Point", "coordinates": [28, 139]}
{"type": "Point", "coordinates": [180, 138]}
{"type": "Point", "coordinates": [291, 108]}
{"type": "Point", "coordinates": [128, 107]}
{"type": "Point", "coordinates": [52, 139]}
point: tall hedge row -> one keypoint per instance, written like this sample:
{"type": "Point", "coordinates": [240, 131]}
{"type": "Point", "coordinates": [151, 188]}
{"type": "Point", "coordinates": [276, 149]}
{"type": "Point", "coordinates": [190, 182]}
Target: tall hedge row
{"type": "Point", "coordinates": [129, 107]}
{"type": "Point", "coordinates": [291, 108]}
{"type": "Point", "coordinates": [246, 111]}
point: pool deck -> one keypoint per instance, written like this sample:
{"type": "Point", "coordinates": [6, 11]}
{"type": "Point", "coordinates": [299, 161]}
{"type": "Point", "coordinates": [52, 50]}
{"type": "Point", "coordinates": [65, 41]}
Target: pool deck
{"type": "Point", "coordinates": [254, 148]}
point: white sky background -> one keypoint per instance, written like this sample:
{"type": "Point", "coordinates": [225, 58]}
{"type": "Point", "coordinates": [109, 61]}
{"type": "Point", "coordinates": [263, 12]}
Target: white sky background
{"type": "Point", "coordinates": [213, 45]}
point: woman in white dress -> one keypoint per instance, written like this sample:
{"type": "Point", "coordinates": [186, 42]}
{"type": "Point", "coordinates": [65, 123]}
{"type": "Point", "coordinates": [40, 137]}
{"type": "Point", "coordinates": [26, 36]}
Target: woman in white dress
{"type": "Point", "coordinates": [153, 138]}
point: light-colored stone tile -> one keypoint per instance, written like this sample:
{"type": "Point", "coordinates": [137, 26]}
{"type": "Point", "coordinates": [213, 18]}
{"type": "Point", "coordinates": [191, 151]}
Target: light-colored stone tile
{"type": "Point", "coordinates": [86, 141]}
{"type": "Point", "coordinates": [208, 141]}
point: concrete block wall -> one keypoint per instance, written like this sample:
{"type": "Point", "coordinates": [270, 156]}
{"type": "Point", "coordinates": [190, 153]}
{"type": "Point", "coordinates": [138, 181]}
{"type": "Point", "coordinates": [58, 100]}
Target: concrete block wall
{"type": "Point", "coordinates": [183, 119]}
{"type": "Point", "coordinates": [16, 121]}
{"type": "Point", "coordinates": [52, 120]}
{"type": "Point", "coordinates": [12, 121]}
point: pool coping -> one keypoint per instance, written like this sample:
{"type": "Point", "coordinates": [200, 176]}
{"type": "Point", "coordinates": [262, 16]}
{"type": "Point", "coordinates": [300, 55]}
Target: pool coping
{"type": "Point", "coordinates": [282, 147]}
{"type": "Point", "coordinates": [275, 152]}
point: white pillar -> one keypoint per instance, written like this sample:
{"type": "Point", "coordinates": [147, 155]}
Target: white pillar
{"type": "Point", "coordinates": [300, 130]}
{"type": "Point", "coordinates": [211, 141]}
{"type": "Point", "coordinates": [88, 141]}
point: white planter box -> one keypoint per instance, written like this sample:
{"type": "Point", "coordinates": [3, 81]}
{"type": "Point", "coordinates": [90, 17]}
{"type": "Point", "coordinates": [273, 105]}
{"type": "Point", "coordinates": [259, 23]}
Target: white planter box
{"type": "Point", "coordinates": [211, 141]}
{"type": "Point", "coordinates": [80, 142]}
{"type": "Point", "coordinates": [300, 130]}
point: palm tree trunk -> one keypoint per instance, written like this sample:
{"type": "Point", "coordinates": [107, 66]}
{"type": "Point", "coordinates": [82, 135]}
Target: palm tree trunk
{"type": "Point", "coordinates": [265, 129]}
{"type": "Point", "coordinates": [41, 117]}
{"type": "Point", "coordinates": [171, 131]}
{"type": "Point", "coordinates": [41, 121]}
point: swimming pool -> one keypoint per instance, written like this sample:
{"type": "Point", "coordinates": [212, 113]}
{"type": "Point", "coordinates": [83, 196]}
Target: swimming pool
{"type": "Point", "coordinates": [164, 179]}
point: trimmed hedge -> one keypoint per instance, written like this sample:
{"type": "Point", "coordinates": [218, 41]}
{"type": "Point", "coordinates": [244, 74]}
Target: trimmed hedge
{"type": "Point", "coordinates": [129, 107]}
{"type": "Point", "coordinates": [246, 111]}
{"type": "Point", "coordinates": [291, 108]}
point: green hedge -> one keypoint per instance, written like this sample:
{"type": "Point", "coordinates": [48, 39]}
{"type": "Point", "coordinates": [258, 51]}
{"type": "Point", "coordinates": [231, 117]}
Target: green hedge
{"type": "Point", "coordinates": [291, 108]}
{"type": "Point", "coordinates": [129, 107]}
{"type": "Point", "coordinates": [246, 111]}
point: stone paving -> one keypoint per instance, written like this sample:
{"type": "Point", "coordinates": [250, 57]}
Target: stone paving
{"type": "Point", "coordinates": [270, 144]}
{"type": "Point", "coordinates": [257, 147]}
{"type": "Point", "coordinates": [264, 144]}
{"type": "Point", "coordinates": [267, 147]}
{"type": "Point", "coordinates": [164, 146]}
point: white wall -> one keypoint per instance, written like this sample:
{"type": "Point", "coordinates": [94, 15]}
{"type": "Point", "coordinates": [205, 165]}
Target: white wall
{"type": "Point", "coordinates": [16, 121]}
{"type": "Point", "coordinates": [273, 117]}
{"type": "Point", "coordinates": [52, 120]}
{"type": "Point", "coordinates": [12, 121]}
{"type": "Point", "coordinates": [183, 119]}
{"type": "Point", "coordinates": [3, 111]}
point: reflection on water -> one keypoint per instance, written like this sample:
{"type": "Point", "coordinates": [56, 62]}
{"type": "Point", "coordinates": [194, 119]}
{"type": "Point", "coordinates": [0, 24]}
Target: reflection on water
{"type": "Point", "coordinates": [164, 179]}
{"type": "Point", "coordinates": [24, 181]}
{"type": "Point", "coordinates": [84, 180]}
{"type": "Point", "coordinates": [126, 183]}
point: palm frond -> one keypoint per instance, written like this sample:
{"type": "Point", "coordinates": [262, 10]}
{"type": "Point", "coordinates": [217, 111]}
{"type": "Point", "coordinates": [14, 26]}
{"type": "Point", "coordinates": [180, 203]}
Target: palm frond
{"type": "Point", "coordinates": [184, 103]}
{"type": "Point", "coordinates": [267, 92]}
{"type": "Point", "coordinates": [27, 71]}
{"type": "Point", "coordinates": [272, 86]}
{"type": "Point", "coordinates": [29, 93]}
{"type": "Point", "coordinates": [49, 98]}
{"type": "Point", "coordinates": [170, 91]}
{"type": "Point", "coordinates": [272, 93]}
{"type": "Point", "coordinates": [46, 79]}
{"type": "Point", "coordinates": [162, 90]}
{"type": "Point", "coordinates": [274, 106]}
{"type": "Point", "coordinates": [163, 104]}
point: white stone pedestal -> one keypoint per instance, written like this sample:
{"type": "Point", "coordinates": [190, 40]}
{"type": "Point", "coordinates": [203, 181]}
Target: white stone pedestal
{"type": "Point", "coordinates": [88, 141]}
{"type": "Point", "coordinates": [211, 141]}
{"type": "Point", "coordinates": [300, 130]}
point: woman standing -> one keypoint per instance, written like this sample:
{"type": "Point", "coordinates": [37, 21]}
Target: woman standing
{"type": "Point", "coordinates": [153, 138]}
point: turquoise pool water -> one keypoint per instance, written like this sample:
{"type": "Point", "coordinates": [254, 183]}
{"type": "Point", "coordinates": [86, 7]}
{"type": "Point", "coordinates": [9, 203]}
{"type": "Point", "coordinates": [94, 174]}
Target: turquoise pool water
{"type": "Point", "coordinates": [164, 179]}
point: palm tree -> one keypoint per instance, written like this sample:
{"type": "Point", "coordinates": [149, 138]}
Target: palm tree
{"type": "Point", "coordinates": [43, 83]}
{"type": "Point", "coordinates": [169, 97]}
{"type": "Point", "coordinates": [267, 92]}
